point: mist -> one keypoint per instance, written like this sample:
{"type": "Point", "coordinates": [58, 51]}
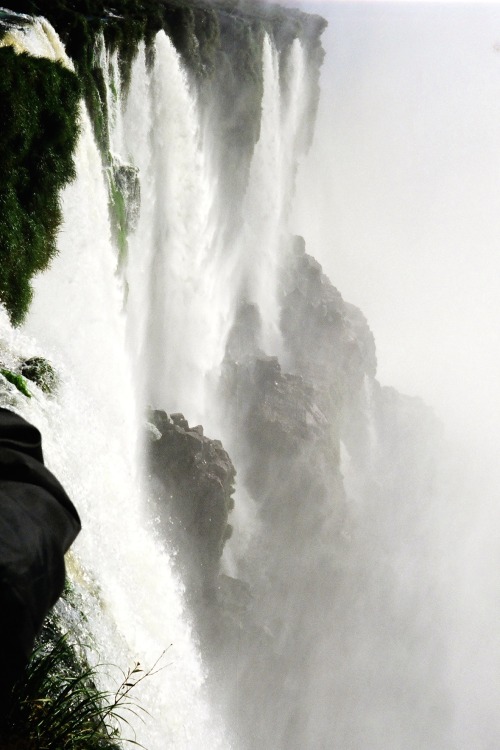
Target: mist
{"type": "Point", "coordinates": [399, 200]}
{"type": "Point", "coordinates": [404, 209]}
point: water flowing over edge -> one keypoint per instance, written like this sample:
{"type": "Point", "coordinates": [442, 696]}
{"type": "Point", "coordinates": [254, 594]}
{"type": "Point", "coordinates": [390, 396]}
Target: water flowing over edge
{"type": "Point", "coordinates": [132, 602]}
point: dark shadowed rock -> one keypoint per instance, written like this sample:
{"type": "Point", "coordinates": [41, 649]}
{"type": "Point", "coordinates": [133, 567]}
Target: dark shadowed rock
{"type": "Point", "coordinates": [41, 372]}
{"type": "Point", "coordinates": [194, 477]}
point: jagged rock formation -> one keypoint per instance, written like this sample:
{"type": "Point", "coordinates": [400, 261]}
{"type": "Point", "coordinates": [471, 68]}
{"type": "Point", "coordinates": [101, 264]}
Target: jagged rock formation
{"type": "Point", "coordinates": [293, 429]}
{"type": "Point", "coordinates": [195, 483]}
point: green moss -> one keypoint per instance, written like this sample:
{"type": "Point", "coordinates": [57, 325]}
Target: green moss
{"type": "Point", "coordinates": [40, 372]}
{"type": "Point", "coordinates": [38, 131]}
{"type": "Point", "coordinates": [16, 380]}
{"type": "Point", "coordinates": [119, 217]}
{"type": "Point", "coordinates": [124, 202]}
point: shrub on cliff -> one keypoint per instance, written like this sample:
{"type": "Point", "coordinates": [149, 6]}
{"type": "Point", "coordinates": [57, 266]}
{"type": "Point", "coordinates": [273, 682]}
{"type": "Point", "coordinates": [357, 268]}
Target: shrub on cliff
{"type": "Point", "coordinates": [38, 131]}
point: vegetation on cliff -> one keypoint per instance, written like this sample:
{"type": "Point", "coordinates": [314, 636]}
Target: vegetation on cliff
{"type": "Point", "coordinates": [38, 131]}
{"type": "Point", "coordinates": [17, 380]}
{"type": "Point", "coordinates": [58, 704]}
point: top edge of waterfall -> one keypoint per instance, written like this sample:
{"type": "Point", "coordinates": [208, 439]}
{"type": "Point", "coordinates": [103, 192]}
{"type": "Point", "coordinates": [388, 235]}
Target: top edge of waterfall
{"type": "Point", "coordinates": [38, 38]}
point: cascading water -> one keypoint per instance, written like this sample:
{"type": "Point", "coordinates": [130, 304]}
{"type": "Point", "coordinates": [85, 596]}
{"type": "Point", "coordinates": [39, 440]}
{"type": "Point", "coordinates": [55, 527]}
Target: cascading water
{"type": "Point", "coordinates": [182, 288]}
{"type": "Point", "coordinates": [133, 603]}
{"type": "Point", "coordinates": [184, 285]}
{"type": "Point", "coordinates": [179, 297]}
{"type": "Point", "coordinates": [270, 187]}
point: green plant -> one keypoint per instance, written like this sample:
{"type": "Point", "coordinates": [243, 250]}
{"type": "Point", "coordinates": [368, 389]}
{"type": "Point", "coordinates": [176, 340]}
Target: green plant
{"type": "Point", "coordinates": [58, 706]}
{"type": "Point", "coordinates": [16, 380]}
{"type": "Point", "coordinates": [38, 132]}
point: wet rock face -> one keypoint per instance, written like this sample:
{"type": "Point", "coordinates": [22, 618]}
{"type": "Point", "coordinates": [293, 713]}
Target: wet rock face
{"type": "Point", "coordinates": [328, 339]}
{"type": "Point", "coordinates": [41, 372]}
{"type": "Point", "coordinates": [127, 182]}
{"type": "Point", "coordinates": [245, 332]}
{"type": "Point", "coordinates": [194, 480]}
{"type": "Point", "coordinates": [281, 412]}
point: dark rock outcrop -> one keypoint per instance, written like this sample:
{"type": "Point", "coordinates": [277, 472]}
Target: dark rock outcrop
{"type": "Point", "coordinates": [194, 478]}
{"type": "Point", "coordinates": [40, 371]}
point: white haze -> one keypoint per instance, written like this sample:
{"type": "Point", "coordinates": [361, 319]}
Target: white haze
{"type": "Point", "coordinates": [400, 200]}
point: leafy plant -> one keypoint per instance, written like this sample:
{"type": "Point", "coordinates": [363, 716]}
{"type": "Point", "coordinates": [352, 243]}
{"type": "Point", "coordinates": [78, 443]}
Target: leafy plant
{"type": "Point", "coordinates": [58, 706]}
{"type": "Point", "coordinates": [16, 380]}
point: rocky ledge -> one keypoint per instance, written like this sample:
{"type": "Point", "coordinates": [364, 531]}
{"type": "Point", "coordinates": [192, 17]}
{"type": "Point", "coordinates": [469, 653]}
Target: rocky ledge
{"type": "Point", "coordinates": [193, 479]}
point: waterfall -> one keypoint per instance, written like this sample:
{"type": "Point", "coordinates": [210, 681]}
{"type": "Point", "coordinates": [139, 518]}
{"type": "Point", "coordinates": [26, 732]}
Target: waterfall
{"type": "Point", "coordinates": [151, 329]}
{"type": "Point", "coordinates": [132, 601]}
{"type": "Point", "coordinates": [270, 187]}
{"type": "Point", "coordinates": [184, 284]}
{"type": "Point", "coordinates": [178, 299]}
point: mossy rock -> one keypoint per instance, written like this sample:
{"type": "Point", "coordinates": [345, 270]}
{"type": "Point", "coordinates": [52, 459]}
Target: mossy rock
{"type": "Point", "coordinates": [124, 202]}
{"type": "Point", "coordinates": [41, 372]}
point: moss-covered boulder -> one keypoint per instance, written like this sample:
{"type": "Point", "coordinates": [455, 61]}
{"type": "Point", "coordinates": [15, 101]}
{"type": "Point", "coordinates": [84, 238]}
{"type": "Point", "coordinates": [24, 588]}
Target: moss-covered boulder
{"type": "Point", "coordinates": [40, 371]}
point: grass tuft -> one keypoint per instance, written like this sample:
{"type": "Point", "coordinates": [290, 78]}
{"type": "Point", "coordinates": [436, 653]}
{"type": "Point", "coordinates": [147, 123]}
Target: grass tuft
{"type": "Point", "coordinates": [58, 706]}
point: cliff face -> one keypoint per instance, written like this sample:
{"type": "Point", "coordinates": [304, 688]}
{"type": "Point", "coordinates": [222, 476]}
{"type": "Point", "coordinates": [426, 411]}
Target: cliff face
{"type": "Point", "coordinates": [336, 464]}
{"type": "Point", "coordinates": [333, 462]}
